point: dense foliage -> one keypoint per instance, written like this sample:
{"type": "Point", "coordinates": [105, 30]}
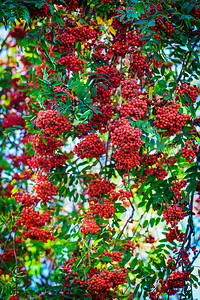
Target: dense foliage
{"type": "Point", "coordinates": [100, 157]}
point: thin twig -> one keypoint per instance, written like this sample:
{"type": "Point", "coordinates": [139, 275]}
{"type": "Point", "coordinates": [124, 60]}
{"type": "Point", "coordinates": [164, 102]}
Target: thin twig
{"type": "Point", "coordinates": [169, 166]}
{"type": "Point", "coordinates": [7, 241]}
{"type": "Point", "coordinates": [1, 259]}
{"type": "Point", "coordinates": [14, 249]}
{"type": "Point", "coordinates": [121, 232]}
{"type": "Point", "coordinates": [185, 63]}
{"type": "Point", "coordinates": [4, 41]}
{"type": "Point", "coordinates": [107, 146]}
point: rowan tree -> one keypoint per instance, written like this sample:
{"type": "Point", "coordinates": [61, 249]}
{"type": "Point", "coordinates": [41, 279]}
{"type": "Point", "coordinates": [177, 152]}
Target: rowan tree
{"type": "Point", "coordinates": [99, 166]}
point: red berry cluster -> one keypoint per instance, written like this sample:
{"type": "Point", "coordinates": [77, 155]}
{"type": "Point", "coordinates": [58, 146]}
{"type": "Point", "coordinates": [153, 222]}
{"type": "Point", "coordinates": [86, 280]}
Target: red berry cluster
{"type": "Point", "coordinates": [17, 101]}
{"type": "Point", "coordinates": [67, 41]}
{"type": "Point", "coordinates": [192, 91]}
{"type": "Point", "coordinates": [130, 245]}
{"type": "Point", "coordinates": [158, 171]}
{"type": "Point", "coordinates": [45, 149]}
{"type": "Point", "coordinates": [173, 214]}
{"type": "Point", "coordinates": [107, 1]}
{"type": "Point", "coordinates": [51, 123]}
{"type": "Point", "coordinates": [177, 187]}
{"type": "Point", "coordinates": [101, 284]}
{"type": "Point", "coordinates": [128, 141]}
{"type": "Point", "coordinates": [83, 129]}
{"type": "Point", "coordinates": [46, 163]}
{"type": "Point", "coordinates": [134, 39]}
{"type": "Point", "coordinates": [139, 65]}
{"type": "Point", "coordinates": [129, 89]}
{"type": "Point", "coordinates": [150, 239]}
{"type": "Point", "coordinates": [162, 24]}
{"type": "Point", "coordinates": [115, 255]}
{"type": "Point", "coordinates": [91, 146]}
{"type": "Point", "coordinates": [72, 63]}
{"type": "Point", "coordinates": [7, 255]}
{"type": "Point", "coordinates": [136, 108]}
{"type": "Point", "coordinates": [174, 234]}
{"type": "Point", "coordinates": [100, 120]}
{"type": "Point", "coordinates": [103, 95]}
{"type": "Point", "coordinates": [98, 188]}
{"type": "Point", "coordinates": [71, 5]}
{"type": "Point", "coordinates": [176, 280]}
{"type": "Point", "coordinates": [172, 160]}
{"type": "Point", "coordinates": [41, 12]}
{"type": "Point", "coordinates": [44, 189]}
{"type": "Point", "coordinates": [113, 76]}
{"type": "Point", "coordinates": [170, 119]}
{"type": "Point", "coordinates": [159, 28]}
{"type": "Point", "coordinates": [151, 159]}
{"type": "Point", "coordinates": [26, 199]}
{"type": "Point", "coordinates": [118, 48]}
{"type": "Point", "coordinates": [13, 120]}
{"type": "Point", "coordinates": [88, 225]}
{"type": "Point", "coordinates": [69, 270]}
{"type": "Point", "coordinates": [84, 33]}
{"type": "Point", "coordinates": [13, 297]}
{"type": "Point", "coordinates": [38, 234]}
{"type": "Point", "coordinates": [189, 151]}
{"type": "Point", "coordinates": [105, 210]}
{"type": "Point", "coordinates": [68, 265]}
{"type": "Point", "coordinates": [30, 218]}
{"type": "Point", "coordinates": [122, 196]}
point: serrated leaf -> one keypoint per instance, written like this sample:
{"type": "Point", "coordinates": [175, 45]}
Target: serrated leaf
{"type": "Point", "coordinates": [106, 258]}
{"type": "Point", "coordinates": [112, 30]}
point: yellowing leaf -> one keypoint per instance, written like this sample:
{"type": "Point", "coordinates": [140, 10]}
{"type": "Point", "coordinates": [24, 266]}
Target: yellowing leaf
{"type": "Point", "coordinates": [151, 89]}
{"type": "Point", "coordinates": [59, 230]}
{"type": "Point", "coordinates": [6, 278]}
{"type": "Point", "coordinates": [13, 181]}
{"type": "Point", "coordinates": [70, 16]}
{"type": "Point", "coordinates": [110, 22]}
{"type": "Point", "coordinates": [100, 21]}
{"type": "Point", "coordinates": [73, 89]}
{"type": "Point", "coordinates": [37, 141]}
{"type": "Point", "coordinates": [79, 24]}
{"type": "Point", "coordinates": [112, 30]}
{"type": "Point", "coordinates": [14, 191]}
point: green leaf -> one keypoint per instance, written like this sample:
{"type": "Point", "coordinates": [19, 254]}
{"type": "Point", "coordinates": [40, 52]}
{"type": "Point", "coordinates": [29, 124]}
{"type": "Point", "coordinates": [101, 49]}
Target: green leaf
{"type": "Point", "coordinates": [42, 136]}
{"type": "Point", "coordinates": [126, 258]}
{"type": "Point", "coordinates": [158, 145]}
{"type": "Point", "coordinates": [94, 92]}
{"type": "Point", "coordinates": [163, 70]}
{"type": "Point", "coordinates": [152, 143]}
{"type": "Point", "coordinates": [187, 97]}
{"type": "Point", "coordinates": [134, 263]}
{"type": "Point", "coordinates": [193, 111]}
{"type": "Point", "coordinates": [86, 269]}
{"type": "Point", "coordinates": [106, 258]}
